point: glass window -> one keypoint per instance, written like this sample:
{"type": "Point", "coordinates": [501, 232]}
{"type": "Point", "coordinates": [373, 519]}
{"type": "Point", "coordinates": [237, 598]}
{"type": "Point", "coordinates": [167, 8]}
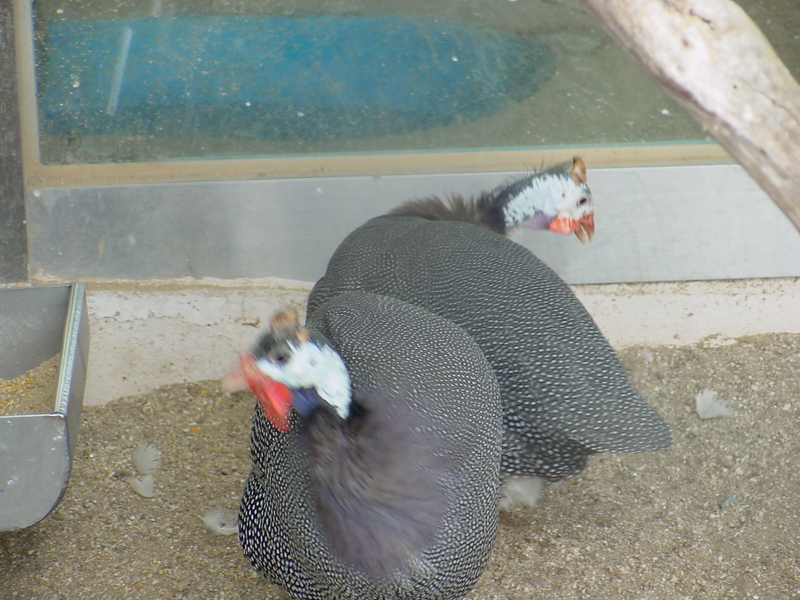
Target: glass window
{"type": "Point", "coordinates": [130, 81]}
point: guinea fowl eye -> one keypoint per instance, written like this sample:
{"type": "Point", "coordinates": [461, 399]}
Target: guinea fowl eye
{"type": "Point", "coordinates": [279, 358]}
{"type": "Point", "coordinates": [582, 200]}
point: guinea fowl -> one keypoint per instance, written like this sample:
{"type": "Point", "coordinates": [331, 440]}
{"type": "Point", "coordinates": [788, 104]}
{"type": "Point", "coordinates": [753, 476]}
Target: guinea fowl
{"type": "Point", "coordinates": [383, 482]}
{"type": "Point", "coordinates": [565, 394]}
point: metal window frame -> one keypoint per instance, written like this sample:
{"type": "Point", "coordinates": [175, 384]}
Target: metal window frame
{"type": "Point", "coordinates": [13, 234]}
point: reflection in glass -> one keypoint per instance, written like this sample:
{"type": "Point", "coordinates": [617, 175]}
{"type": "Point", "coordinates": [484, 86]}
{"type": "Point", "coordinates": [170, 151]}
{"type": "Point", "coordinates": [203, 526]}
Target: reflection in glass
{"type": "Point", "coordinates": [138, 81]}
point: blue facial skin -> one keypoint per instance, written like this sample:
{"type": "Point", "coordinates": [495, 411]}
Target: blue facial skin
{"type": "Point", "coordinates": [305, 400]}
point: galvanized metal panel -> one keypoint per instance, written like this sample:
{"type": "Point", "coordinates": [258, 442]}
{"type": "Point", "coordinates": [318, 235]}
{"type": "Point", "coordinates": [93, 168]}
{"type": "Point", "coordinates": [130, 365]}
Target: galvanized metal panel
{"type": "Point", "coordinates": [34, 468]}
{"type": "Point", "coordinates": [654, 224]}
{"type": "Point", "coordinates": [36, 449]}
{"type": "Point", "coordinates": [74, 363]}
{"type": "Point", "coordinates": [31, 326]}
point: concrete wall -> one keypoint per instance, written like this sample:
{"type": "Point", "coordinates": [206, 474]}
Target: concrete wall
{"type": "Point", "coordinates": [156, 334]}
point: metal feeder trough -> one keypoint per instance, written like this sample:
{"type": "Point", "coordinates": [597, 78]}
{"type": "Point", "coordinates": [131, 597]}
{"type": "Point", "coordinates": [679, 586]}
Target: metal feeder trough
{"type": "Point", "coordinates": [36, 450]}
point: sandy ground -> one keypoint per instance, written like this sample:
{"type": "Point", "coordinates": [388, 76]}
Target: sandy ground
{"type": "Point", "coordinates": [717, 516]}
{"type": "Point", "coordinates": [32, 392]}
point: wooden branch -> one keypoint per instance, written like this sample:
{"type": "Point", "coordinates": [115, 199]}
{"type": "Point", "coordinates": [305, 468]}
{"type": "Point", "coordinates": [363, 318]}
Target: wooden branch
{"type": "Point", "coordinates": [718, 65]}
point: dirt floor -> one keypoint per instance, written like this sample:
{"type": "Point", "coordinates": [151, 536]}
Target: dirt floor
{"type": "Point", "coordinates": [717, 516]}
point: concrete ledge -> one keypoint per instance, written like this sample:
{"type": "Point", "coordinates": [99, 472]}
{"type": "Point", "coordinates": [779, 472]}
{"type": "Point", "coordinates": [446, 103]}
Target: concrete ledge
{"type": "Point", "coordinates": [692, 312]}
{"type": "Point", "coordinates": [147, 335]}
{"type": "Point", "coordinates": [156, 334]}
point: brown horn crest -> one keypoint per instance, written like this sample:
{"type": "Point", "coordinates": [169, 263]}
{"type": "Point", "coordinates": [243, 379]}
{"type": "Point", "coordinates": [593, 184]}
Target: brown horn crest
{"type": "Point", "coordinates": [578, 171]}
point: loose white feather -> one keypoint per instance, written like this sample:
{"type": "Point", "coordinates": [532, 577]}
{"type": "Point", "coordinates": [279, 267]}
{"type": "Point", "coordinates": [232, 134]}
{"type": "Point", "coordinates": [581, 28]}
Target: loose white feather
{"type": "Point", "coordinates": [708, 406]}
{"type": "Point", "coordinates": [144, 485]}
{"type": "Point", "coordinates": [520, 491]}
{"type": "Point", "coordinates": [146, 459]}
{"type": "Point", "coordinates": [221, 522]}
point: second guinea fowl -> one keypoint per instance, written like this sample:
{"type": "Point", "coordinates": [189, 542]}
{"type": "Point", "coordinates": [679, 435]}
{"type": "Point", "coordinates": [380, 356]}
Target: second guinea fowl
{"type": "Point", "coordinates": [565, 394]}
{"type": "Point", "coordinates": [383, 482]}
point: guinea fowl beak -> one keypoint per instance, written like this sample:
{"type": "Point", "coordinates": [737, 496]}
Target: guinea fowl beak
{"type": "Point", "coordinates": [275, 398]}
{"type": "Point", "coordinates": [583, 228]}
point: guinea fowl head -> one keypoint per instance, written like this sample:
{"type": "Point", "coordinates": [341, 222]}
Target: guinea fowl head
{"type": "Point", "coordinates": [292, 367]}
{"type": "Point", "coordinates": [557, 199]}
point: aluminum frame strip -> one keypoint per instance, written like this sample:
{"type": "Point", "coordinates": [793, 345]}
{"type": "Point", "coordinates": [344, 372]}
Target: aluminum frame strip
{"type": "Point", "coordinates": [653, 224]}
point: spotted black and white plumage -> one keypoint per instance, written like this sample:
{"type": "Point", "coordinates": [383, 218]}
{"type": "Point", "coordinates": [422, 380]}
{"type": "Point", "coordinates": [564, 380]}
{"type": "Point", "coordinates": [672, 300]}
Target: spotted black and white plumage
{"type": "Point", "coordinates": [565, 394]}
{"type": "Point", "coordinates": [398, 500]}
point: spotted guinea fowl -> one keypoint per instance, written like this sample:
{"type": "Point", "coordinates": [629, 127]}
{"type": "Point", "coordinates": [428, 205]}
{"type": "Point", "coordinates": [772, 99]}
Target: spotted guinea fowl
{"type": "Point", "coordinates": [565, 394]}
{"type": "Point", "coordinates": [383, 482]}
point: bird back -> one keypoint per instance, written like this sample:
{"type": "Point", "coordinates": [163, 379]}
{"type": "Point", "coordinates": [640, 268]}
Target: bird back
{"type": "Point", "coordinates": [565, 394]}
